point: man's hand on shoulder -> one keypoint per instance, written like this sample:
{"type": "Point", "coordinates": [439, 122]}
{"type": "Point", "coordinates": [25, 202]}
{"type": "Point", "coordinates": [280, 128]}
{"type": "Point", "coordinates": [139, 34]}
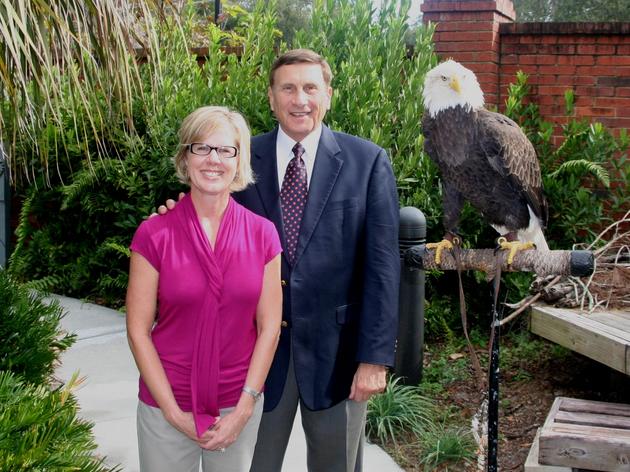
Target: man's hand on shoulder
{"type": "Point", "coordinates": [169, 205]}
{"type": "Point", "coordinates": [369, 379]}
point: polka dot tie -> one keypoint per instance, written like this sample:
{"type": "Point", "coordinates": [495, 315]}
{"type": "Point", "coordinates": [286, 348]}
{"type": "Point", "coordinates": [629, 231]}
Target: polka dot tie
{"type": "Point", "coordinates": [293, 199]}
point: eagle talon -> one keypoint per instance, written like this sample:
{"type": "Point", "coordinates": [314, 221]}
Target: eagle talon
{"type": "Point", "coordinates": [441, 246]}
{"type": "Point", "coordinates": [514, 247]}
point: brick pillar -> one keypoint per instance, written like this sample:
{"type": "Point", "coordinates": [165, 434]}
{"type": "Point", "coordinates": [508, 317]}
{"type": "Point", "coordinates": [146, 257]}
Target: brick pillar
{"type": "Point", "coordinates": [468, 32]}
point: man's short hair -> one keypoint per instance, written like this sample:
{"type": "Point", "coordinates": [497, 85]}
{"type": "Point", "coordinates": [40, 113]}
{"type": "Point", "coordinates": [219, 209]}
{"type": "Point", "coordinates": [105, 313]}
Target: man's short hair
{"type": "Point", "coordinates": [301, 56]}
{"type": "Point", "coordinates": [206, 120]}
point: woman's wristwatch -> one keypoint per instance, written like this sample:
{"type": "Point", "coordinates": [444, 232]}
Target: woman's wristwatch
{"type": "Point", "coordinates": [250, 391]}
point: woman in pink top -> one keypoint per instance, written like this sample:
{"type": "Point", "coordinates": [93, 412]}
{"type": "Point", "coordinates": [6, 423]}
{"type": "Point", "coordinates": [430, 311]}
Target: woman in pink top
{"type": "Point", "coordinates": [210, 269]}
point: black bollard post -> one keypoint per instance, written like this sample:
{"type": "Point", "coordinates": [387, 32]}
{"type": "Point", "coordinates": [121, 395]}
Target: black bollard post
{"type": "Point", "coordinates": [410, 346]}
{"type": "Point", "coordinates": [5, 205]}
{"type": "Point", "coordinates": [217, 11]}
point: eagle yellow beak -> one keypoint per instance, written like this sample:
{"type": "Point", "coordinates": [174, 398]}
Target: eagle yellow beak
{"type": "Point", "coordinates": [455, 85]}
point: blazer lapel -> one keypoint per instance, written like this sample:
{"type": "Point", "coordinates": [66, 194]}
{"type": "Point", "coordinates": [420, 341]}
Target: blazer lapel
{"type": "Point", "coordinates": [265, 167]}
{"type": "Point", "coordinates": [325, 173]}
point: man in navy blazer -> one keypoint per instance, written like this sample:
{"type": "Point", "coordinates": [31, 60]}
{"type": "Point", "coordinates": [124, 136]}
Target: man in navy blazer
{"type": "Point", "coordinates": [340, 313]}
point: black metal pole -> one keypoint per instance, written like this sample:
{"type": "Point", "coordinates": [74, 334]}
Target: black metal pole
{"type": "Point", "coordinates": [493, 379]}
{"type": "Point", "coordinates": [410, 345]}
{"type": "Point", "coordinates": [5, 206]}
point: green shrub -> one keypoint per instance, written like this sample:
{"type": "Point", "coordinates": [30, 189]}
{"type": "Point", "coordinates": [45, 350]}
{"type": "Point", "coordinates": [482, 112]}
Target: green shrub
{"type": "Point", "coordinates": [39, 429]}
{"type": "Point", "coordinates": [378, 86]}
{"type": "Point", "coordinates": [29, 329]}
{"type": "Point", "coordinates": [440, 316]}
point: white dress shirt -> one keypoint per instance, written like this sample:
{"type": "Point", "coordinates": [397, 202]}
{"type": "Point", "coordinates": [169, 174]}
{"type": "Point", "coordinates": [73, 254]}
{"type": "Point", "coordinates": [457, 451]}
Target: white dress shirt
{"type": "Point", "coordinates": [284, 152]}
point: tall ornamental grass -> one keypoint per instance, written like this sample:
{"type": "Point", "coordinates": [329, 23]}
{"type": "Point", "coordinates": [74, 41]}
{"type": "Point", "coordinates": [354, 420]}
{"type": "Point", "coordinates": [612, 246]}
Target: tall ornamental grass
{"type": "Point", "coordinates": [67, 71]}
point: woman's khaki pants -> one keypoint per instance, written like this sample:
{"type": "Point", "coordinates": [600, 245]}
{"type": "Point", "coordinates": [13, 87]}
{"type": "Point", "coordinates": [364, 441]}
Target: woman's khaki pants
{"type": "Point", "coordinates": [162, 448]}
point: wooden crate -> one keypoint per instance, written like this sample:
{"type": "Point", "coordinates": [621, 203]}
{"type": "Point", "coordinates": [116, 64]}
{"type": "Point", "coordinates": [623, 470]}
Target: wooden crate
{"type": "Point", "coordinates": [586, 435]}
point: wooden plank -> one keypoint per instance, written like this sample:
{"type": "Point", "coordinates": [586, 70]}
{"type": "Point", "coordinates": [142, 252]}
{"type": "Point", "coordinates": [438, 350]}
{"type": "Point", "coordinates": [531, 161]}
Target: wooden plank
{"type": "Point", "coordinates": [553, 411]}
{"type": "Point", "coordinates": [615, 319]}
{"type": "Point", "coordinates": [593, 419]}
{"type": "Point", "coordinates": [605, 408]}
{"type": "Point", "coordinates": [594, 452]}
{"type": "Point", "coordinates": [607, 327]}
{"type": "Point", "coordinates": [606, 344]}
{"type": "Point", "coordinates": [586, 432]}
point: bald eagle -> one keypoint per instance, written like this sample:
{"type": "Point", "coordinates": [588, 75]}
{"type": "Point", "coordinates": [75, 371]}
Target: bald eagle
{"type": "Point", "coordinates": [483, 158]}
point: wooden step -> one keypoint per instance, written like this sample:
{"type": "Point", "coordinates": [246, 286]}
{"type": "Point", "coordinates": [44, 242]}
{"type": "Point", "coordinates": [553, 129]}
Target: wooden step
{"type": "Point", "coordinates": [586, 435]}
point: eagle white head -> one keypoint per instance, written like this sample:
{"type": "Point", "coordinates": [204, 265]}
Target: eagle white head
{"type": "Point", "coordinates": [450, 84]}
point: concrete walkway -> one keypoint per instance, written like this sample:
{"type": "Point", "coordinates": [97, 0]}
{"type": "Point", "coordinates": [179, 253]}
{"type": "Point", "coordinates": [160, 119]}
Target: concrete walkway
{"type": "Point", "coordinates": [108, 397]}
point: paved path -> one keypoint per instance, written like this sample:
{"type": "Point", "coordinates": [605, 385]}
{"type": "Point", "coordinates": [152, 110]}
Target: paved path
{"type": "Point", "coordinates": [108, 395]}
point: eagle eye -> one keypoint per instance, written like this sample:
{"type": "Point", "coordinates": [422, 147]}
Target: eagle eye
{"type": "Point", "coordinates": [444, 78]}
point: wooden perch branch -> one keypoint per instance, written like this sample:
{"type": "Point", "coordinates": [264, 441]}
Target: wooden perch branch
{"type": "Point", "coordinates": [542, 263]}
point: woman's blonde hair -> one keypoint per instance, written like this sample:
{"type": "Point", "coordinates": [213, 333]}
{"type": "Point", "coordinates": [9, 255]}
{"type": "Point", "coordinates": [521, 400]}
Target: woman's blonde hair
{"type": "Point", "coordinates": [206, 120]}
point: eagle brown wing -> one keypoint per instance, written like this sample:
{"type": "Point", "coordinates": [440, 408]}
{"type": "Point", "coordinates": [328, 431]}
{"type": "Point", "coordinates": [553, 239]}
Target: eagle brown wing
{"type": "Point", "coordinates": [508, 151]}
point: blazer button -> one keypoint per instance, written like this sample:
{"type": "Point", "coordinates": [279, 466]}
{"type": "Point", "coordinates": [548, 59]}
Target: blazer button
{"type": "Point", "coordinates": [284, 324]}
{"type": "Point", "coordinates": [283, 283]}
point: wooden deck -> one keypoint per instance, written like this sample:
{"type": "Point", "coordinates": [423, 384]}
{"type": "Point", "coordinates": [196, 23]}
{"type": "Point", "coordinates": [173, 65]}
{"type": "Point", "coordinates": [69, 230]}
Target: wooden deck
{"type": "Point", "coordinates": [602, 336]}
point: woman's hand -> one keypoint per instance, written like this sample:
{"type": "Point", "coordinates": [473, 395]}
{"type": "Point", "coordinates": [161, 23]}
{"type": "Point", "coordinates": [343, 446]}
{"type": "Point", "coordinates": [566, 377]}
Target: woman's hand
{"type": "Point", "coordinates": [226, 430]}
{"type": "Point", "coordinates": [184, 422]}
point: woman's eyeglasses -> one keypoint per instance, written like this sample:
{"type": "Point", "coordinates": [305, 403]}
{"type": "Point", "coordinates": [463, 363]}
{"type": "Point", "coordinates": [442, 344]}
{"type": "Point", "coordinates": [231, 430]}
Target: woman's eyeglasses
{"type": "Point", "coordinates": [202, 149]}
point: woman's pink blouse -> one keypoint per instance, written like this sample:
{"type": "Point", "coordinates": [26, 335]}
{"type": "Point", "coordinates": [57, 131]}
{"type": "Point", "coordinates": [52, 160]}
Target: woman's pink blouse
{"type": "Point", "coordinates": [205, 329]}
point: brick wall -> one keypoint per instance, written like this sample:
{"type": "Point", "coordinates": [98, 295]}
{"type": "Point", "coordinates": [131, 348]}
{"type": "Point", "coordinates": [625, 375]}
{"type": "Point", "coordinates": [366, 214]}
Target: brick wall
{"type": "Point", "coordinates": [592, 59]}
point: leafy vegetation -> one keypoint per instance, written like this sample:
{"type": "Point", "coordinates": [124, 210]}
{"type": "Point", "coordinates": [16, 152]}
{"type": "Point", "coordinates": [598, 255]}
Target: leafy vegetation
{"type": "Point", "coordinates": [29, 329]}
{"type": "Point", "coordinates": [75, 227]}
{"type": "Point", "coordinates": [39, 428]}
{"type": "Point", "coordinates": [67, 72]}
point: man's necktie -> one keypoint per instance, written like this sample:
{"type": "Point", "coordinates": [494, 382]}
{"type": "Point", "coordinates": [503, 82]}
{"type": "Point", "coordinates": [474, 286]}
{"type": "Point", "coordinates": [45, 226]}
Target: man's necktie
{"type": "Point", "coordinates": [293, 199]}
